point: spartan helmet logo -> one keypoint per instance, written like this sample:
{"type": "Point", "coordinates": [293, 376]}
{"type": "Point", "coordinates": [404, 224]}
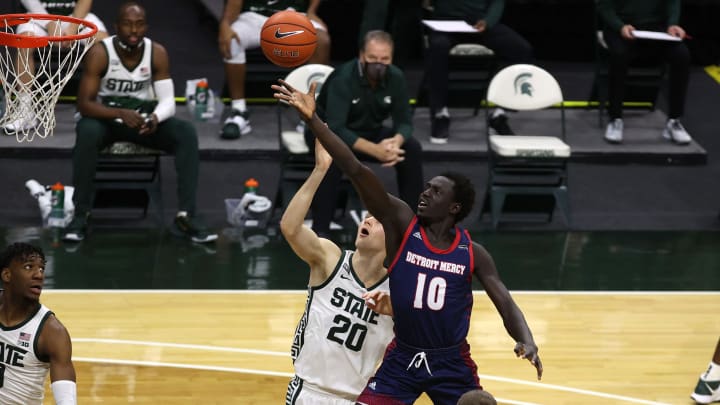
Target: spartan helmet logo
{"type": "Point", "coordinates": [523, 85]}
{"type": "Point", "coordinates": [318, 77]}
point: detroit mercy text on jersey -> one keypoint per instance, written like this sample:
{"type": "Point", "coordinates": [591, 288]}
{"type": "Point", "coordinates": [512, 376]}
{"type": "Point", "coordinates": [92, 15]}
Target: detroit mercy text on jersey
{"type": "Point", "coordinates": [124, 88]}
{"type": "Point", "coordinates": [22, 380]}
{"type": "Point", "coordinates": [431, 289]}
{"type": "Point", "coordinates": [339, 341]}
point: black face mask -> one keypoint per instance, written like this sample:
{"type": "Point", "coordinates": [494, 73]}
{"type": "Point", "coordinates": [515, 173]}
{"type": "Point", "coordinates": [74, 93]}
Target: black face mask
{"type": "Point", "coordinates": [375, 71]}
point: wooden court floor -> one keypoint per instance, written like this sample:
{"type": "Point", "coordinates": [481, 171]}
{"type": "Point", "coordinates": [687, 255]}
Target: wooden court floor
{"type": "Point", "coordinates": [231, 347]}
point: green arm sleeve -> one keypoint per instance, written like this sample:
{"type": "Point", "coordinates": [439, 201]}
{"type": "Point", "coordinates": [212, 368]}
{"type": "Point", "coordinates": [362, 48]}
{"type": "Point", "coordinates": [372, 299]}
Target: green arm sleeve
{"type": "Point", "coordinates": [337, 110]}
{"type": "Point", "coordinates": [401, 107]}
{"type": "Point", "coordinates": [673, 12]}
{"type": "Point", "coordinates": [494, 12]}
{"type": "Point", "coordinates": [608, 16]}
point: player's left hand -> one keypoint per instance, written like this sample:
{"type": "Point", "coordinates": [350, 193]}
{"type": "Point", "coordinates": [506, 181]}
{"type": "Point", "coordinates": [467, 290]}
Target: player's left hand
{"type": "Point", "coordinates": [530, 352]}
{"type": "Point", "coordinates": [379, 301]}
{"type": "Point", "coordinates": [304, 103]}
{"type": "Point", "coordinates": [149, 126]}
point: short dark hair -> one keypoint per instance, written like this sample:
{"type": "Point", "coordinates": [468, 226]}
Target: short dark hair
{"type": "Point", "coordinates": [125, 5]}
{"type": "Point", "coordinates": [377, 35]}
{"type": "Point", "coordinates": [477, 397]}
{"type": "Point", "coordinates": [464, 192]}
{"type": "Point", "coordinates": [19, 250]}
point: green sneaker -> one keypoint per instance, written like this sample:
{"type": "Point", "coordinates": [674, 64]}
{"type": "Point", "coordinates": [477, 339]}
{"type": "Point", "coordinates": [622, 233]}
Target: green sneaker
{"type": "Point", "coordinates": [706, 392]}
{"type": "Point", "coordinates": [191, 228]}
{"type": "Point", "coordinates": [76, 229]}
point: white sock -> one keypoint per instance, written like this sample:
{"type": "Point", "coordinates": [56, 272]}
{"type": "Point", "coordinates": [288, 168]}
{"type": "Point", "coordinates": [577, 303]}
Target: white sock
{"type": "Point", "coordinates": [182, 214]}
{"type": "Point", "coordinates": [443, 113]}
{"type": "Point", "coordinates": [712, 373]}
{"type": "Point", "coordinates": [497, 112]}
{"type": "Point", "coordinates": [239, 105]}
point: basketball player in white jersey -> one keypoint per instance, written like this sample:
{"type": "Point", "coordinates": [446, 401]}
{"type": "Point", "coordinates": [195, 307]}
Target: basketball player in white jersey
{"type": "Point", "coordinates": [32, 339]}
{"type": "Point", "coordinates": [339, 341]}
{"type": "Point", "coordinates": [73, 8]}
{"type": "Point", "coordinates": [126, 94]}
{"type": "Point", "coordinates": [239, 29]}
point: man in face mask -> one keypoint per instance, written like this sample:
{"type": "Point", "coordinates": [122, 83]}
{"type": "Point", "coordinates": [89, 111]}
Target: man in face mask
{"type": "Point", "coordinates": [355, 100]}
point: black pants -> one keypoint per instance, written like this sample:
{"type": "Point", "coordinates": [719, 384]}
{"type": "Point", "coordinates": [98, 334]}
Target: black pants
{"type": "Point", "coordinates": [623, 52]}
{"type": "Point", "coordinates": [409, 179]}
{"type": "Point", "coordinates": [507, 44]}
{"type": "Point", "coordinates": [173, 136]}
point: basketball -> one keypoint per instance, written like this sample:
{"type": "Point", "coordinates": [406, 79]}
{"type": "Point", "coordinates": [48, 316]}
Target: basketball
{"type": "Point", "coordinates": [288, 38]}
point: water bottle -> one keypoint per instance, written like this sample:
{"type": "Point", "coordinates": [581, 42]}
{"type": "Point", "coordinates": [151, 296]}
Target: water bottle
{"type": "Point", "coordinates": [251, 185]}
{"type": "Point", "coordinates": [201, 100]}
{"type": "Point", "coordinates": [57, 206]}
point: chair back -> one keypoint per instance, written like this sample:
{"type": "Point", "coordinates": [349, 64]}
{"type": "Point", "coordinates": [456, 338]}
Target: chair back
{"type": "Point", "coordinates": [524, 87]}
{"type": "Point", "coordinates": [302, 77]}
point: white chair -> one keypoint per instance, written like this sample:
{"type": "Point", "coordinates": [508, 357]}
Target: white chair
{"type": "Point", "coordinates": [527, 165]}
{"type": "Point", "coordinates": [297, 161]}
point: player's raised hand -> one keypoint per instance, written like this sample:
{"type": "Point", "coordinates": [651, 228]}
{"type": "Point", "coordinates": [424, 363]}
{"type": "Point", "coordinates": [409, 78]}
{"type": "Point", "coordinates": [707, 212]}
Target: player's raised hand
{"type": "Point", "coordinates": [304, 103]}
{"type": "Point", "coordinates": [530, 352]}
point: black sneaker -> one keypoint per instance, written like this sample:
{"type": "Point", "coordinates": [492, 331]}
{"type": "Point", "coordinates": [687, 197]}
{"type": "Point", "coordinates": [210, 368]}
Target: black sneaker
{"type": "Point", "coordinates": [440, 130]}
{"type": "Point", "coordinates": [499, 124]}
{"type": "Point", "coordinates": [76, 229]}
{"type": "Point", "coordinates": [190, 228]}
{"type": "Point", "coordinates": [236, 125]}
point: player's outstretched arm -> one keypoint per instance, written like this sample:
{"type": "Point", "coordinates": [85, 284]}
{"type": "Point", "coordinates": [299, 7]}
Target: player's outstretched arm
{"type": "Point", "coordinates": [320, 254]}
{"type": "Point", "coordinates": [54, 343]}
{"type": "Point", "coordinates": [512, 316]}
{"type": "Point", "coordinates": [393, 213]}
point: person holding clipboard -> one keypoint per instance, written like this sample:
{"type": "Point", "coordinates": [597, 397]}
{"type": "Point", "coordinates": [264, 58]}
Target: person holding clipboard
{"type": "Point", "coordinates": [635, 29]}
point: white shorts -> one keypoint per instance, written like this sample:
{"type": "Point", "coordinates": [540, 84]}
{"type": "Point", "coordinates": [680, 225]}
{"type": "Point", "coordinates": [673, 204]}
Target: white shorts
{"type": "Point", "coordinates": [247, 27]}
{"type": "Point", "coordinates": [39, 27]}
{"type": "Point", "coordinates": [301, 393]}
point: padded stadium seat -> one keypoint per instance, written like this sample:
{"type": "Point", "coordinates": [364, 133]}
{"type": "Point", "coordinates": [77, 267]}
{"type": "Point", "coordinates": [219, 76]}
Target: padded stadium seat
{"type": "Point", "coordinates": [128, 176]}
{"type": "Point", "coordinates": [526, 165]}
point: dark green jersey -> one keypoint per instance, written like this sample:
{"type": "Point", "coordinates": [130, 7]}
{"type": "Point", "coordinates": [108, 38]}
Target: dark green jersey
{"type": "Point", "coordinates": [270, 7]}
{"type": "Point", "coordinates": [470, 11]}
{"type": "Point", "coordinates": [351, 107]}
{"type": "Point", "coordinates": [59, 7]}
{"type": "Point", "coordinates": [641, 14]}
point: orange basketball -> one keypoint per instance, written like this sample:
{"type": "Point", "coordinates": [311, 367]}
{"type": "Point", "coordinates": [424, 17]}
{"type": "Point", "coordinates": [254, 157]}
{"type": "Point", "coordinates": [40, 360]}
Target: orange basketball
{"type": "Point", "coordinates": [288, 38]}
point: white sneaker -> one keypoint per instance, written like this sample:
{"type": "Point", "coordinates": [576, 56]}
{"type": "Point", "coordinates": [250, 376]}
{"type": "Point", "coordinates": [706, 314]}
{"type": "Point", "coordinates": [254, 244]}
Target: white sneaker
{"type": "Point", "coordinates": [20, 124]}
{"type": "Point", "coordinates": [706, 391]}
{"type": "Point", "coordinates": [614, 131]}
{"type": "Point", "coordinates": [236, 125]}
{"type": "Point", "coordinates": [674, 131]}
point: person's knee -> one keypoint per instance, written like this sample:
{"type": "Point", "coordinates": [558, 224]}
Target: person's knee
{"type": "Point", "coordinates": [89, 134]}
{"type": "Point", "coordinates": [185, 134]}
{"type": "Point", "coordinates": [237, 53]}
{"type": "Point", "coordinates": [412, 148]}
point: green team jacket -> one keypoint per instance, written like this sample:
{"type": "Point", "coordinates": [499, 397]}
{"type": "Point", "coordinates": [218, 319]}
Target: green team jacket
{"type": "Point", "coordinates": [616, 13]}
{"type": "Point", "coordinates": [351, 107]}
{"type": "Point", "coordinates": [470, 11]}
{"type": "Point", "coordinates": [269, 7]}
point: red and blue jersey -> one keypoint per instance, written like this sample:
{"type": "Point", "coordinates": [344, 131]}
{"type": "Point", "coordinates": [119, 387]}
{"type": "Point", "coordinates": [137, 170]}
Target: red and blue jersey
{"type": "Point", "coordinates": [431, 289]}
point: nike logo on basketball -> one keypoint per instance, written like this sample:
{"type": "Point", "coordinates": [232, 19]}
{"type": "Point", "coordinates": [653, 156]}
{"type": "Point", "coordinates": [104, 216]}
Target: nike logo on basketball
{"type": "Point", "coordinates": [279, 34]}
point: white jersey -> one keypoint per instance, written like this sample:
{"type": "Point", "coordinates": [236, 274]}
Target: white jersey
{"type": "Point", "coordinates": [339, 341]}
{"type": "Point", "coordinates": [22, 380]}
{"type": "Point", "coordinates": [121, 83]}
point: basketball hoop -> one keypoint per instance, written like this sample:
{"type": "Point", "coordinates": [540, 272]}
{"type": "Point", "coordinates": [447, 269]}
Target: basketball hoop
{"type": "Point", "coordinates": [30, 96]}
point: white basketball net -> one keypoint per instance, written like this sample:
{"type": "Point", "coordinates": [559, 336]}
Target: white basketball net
{"type": "Point", "coordinates": [31, 94]}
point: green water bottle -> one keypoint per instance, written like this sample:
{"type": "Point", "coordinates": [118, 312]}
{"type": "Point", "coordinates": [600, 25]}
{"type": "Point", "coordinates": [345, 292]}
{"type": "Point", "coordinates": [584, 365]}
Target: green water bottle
{"type": "Point", "coordinates": [201, 100]}
{"type": "Point", "coordinates": [57, 206]}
